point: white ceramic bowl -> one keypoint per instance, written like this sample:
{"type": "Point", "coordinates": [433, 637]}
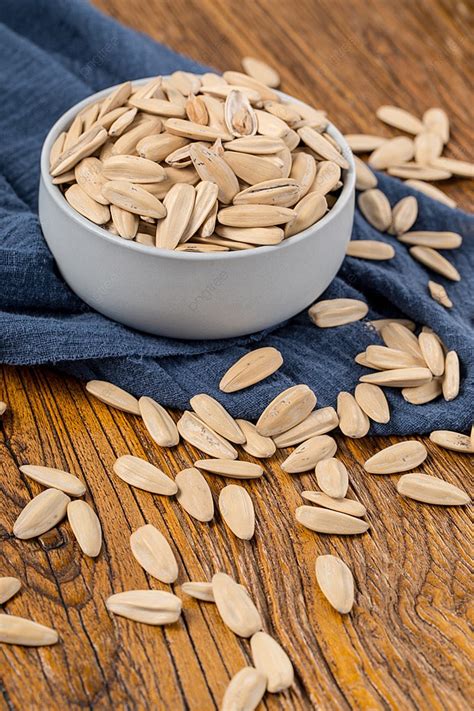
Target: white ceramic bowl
{"type": "Point", "coordinates": [187, 295]}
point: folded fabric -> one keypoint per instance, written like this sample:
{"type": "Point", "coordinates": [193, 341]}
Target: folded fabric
{"type": "Point", "coordinates": [67, 50]}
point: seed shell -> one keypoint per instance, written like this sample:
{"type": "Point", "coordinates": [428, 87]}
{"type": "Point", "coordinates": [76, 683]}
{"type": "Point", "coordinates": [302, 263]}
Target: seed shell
{"type": "Point", "coordinates": [272, 661]}
{"type": "Point", "coordinates": [396, 458]}
{"type": "Point", "coordinates": [236, 469]}
{"type": "Point", "coordinates": [194, 494]}
{"type": "Point", "coordinates": [54, 478]}
{"type": "Point", "coordinates": [376, 209]}
{"type": "Point", "coordinates": [8, 587]}
{"type": "Point", "coordinates": [363, 142]}
{"type": "Point", "coordinates": [18, 630]}
{"type": "Point", "coordinates": [179, 204]}
{"type": "Point", "coordinates": [336, 582]}
{"type": "Point", "coordinates": [144, 475]}
{"type": "Point", "coordinates": [88, 174]}
{"type": "Point", "coordinates": [432, 351]}
{"type": "Point", "coordinates": [87, 206]}
{"type": "Point", "coordinates": [399, 118]}
{"type": "Point", "coordinates": [329, 521]}
{"type": "Point", "coordinates": [332, 477]}
{"type": "Point", "coordinates": [436, 120]}
{"type": "Point", "coordinates": [198, 590]}
{"type": "Point", "coordinates": [321, 146]}
{"type": "Point", "coordinates": [422, 394]}
{"type": "Point", "coordinates": [261, 71]}
{"type": "Point", "coordinates": [395, 151]}
{"type": "Point", "coordinates": [197, 433]}
{"type": "Point", "coordinates": [431, 191]}
{"type": "Point", "coordinates": [235, 606]}
{"type": "Point", "coordinates": [245, 690]}
{"type": "Point", "coordinates": [237, 510]}
{"type": "Point", "coordinates": [371, 399]}
{"type": "Point", "coordinates": [399, 377]}
{"type": "Point", "coordinates": [217, 418]}
{"type": "Point", "coordinates": [404, 215]}
{"type": "Point", "coordinates": [307, 211]}
{"type": "Point", "coordinates": [436, 262]}
{"type": "Point", "coordinates": [452, 440]}
{"type": "Point", "coordinates": [365, 178]}
{"type": "Point", "coordinates": [255, 444]}
{"type": "Point", "coordinates": [41, 514]}
{"type": "Point", "coordinates": [308, 454]}
{"type": "Point", "coordinates": [370, 249]}
{"type": "Point", "coordinates": [285, 411]}
{"type": "Point", "coordinates": [337, 312]}
{"type": "Point", "coordinates": [152, 607]}
{"type": "Point", "coordinates": [451, 378]}
{"type": "Point", "coordinates": [347, 506]}
{"type": "Point", "coordinates": [133, 198]}
{"type": "Point", "coordinates": [250, 369]}
{"type": "Point", "coordinates": [431, 490]}
{"type": "Point", "coordinates": [86, 527]}
{"type": "Point", "coordinates": [158, 422]}
{"type": "Point", "coordinates": [353, 422]}
{"type": "Point", "coordinates": [151, 549]}
{"type": "Point", "coordinates": [255, 215]}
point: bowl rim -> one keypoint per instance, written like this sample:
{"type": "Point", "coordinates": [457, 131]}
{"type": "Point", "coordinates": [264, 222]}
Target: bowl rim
{"type": "Point", "coordinates": [53, 190]}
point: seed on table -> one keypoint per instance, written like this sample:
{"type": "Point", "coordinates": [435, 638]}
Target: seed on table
{"type": "Point", "coordinates": [452, 440]}
{"type": "Point", "coordinates": [307, 455]}
{"type": "Point", "coordinates": [151, 549]}
{"type": "Point", "coordinates": [436, 120]}
{"type": "Point", "coordinates": [3, 407]}
{"type": "Point", "coordinates": [365, 178]}
{"type": "Point", "coordinates": [329, 521]}
{"type": "Point", "coordinates": [41, 514]}
{"type": "Point", "coordinates": [316, 423]}
{"type": "Point", "coordinates": [250, 369]}
{"type": "Point", "coordinates": [245, 690]}
{"type": "Point", "coordinates": [353, 422]}
{"type": "Point", "coordinates": [113, 396]}
{"type": "Point", "coordinates": [347, 506]}
{"type": "Point", "coordinates": [420, 172]}
{"type": "Point", "coordinates": [256, 444]}
{"type": "Point", "coordinates": [394, 151]}
{"type": "Point", "coordinates": [152, 607]}
{"type": "Point", "coordinates": [337, 312]}
{"type": "Point", "coordinates": [194, 494]}
{"type": "Point", "coordinates": [336, 582]}
{"type": "Point", "coordinates": [234, 469]}
{"type": "Point", "coordinates": [451, 378]}
{"type": "Point", "coordinates": [364, 142]}
{"type": "Point", "coordinates": [18, 630]}
{"type": "Point", "coordinates": [54, 478]}
{"type": "Point", "coordinates": [288, 409]}
{"type": "Point", "coordinates": [428, 147]}
{"type": "Point", "coordinates": [272, 661]}
{"type": "Point", "coordinates": [332, 477]}
{"type": "Point", "coordinates": [235, 606]}
{"type": "Point", "coordinates": [161, 427]}
{"type": "Point", "coordinates": [237, 510]}
{"type": "Point", "coordinates": [197, 433]}
{"type": "Point", "coordinates": [144, 475]}
{"type": "Point", "coordinates": [8, 587]}
{"type": "Point", "coordinates": [399, 118]}
{"type": "Point", "coordinates": [431, 490]}
{"type": "Point", "coordinates": [213, 414]}
{"type": "Point", "coordinates": [86, 527]}
{"type": "Point", "coordinates": [370, 249]}
{"type": "Point", "coordinates": [199, 590]}
{"type": "Point", "coordinates": [396, 458]}
{"type": "Point", "coordinates": [457, 167]}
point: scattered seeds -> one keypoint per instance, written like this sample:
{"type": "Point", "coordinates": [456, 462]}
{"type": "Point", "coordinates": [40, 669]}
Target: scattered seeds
{"type": "Point", "coordinates": [261, 71]}
{"type": "Point", "coordinates": [235, 606]}
{"type": "Point", "coordinates": [399, 118]}
{"type": "Point", "coordinates": [144, 475]}
{"type": "Point", "coordinates": [255, 444]}
{"type": "Point", "coordinates": [41, 514]}
{"type": "Point", "coordinates": [329, 521]}
{"type": "Point", "coordinates": [395, 151]}
{"type": "Point", "coordinates": [217, 418]}
{"type": "Point", "coordinates": [363, 142]}
{"type": "Point", "coordinates": [431, 490]}
{"type": "Point", "coordinates": [336, 582]}
{"type": "Point", "coordinates": [432, 351]}
{"type": "Point", "coordinates": [194, 494]}
{"type": "Point", "coordinates": [158, 422]}
{"type": "Point", "coordinates": [151, 549]}
{"type": "Point", "coordinates": [365, 179]}
{"type": "Point", "coordinates": [370, 249]}
{"type": "Point", "coordinates": [54, 478]}
{"type": "Point", "coordinates": [198, 590]}
{"type": "Point", "coordinates": [237, 510]}
{"type": "Point", "coordinates": [317, 423]}
{"type": "Point", "coordinates": [423, 393]}
{"type": "Point", "coordinates": [86, 527]}
{"type": "Point", "coordinates": [396, 458]}
{"type": "Point", "coordinates": [152, 607]}
{"type": "Point", "coordinates": [436, 121]}
{"type": "Point", "coordinates": [113, 396]}
{"type": "Point", "coordinates": [431, 191]}
{"type": "Point", "coordinates": [399, 377]}
{"type": "Point", "coordinates": [435, 240]}
{"type": "Point", "coordinates": [404, 215]}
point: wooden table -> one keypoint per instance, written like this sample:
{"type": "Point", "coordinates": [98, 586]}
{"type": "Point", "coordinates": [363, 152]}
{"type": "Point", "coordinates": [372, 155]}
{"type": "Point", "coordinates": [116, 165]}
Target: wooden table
{"type": "Point", "coordinates": [405, 645]}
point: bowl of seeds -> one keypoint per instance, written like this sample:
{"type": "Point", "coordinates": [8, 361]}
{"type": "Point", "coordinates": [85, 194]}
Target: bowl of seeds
{"type": "Point", "coordinates": [196, 206]}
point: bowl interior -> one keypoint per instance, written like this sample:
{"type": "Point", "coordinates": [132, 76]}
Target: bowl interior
{"type": "Point", "coordinates": [348, 179]}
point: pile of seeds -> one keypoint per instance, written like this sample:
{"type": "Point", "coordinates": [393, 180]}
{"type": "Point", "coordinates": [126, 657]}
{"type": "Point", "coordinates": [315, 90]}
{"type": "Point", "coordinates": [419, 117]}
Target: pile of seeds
{"type": "Point", "coordinates": [200, 163]}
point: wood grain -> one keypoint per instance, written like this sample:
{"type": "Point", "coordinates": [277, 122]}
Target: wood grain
{"type": "Point", "coordinates": [406, 643]}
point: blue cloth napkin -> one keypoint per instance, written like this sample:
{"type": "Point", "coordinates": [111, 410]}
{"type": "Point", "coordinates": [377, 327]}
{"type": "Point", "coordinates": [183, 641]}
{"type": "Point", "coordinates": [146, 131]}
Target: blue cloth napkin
{"type": "Point", "coordinates": [54, 53]}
